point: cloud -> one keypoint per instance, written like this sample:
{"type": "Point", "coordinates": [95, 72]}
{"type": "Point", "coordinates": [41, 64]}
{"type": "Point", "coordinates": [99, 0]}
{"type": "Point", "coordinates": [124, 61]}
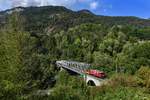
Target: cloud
{"type": "Point", "coordinates": [81, 1]}
{"type": "Point", "coordinates": [15, 3]}
{"type": "Point", "coordinates": [93, 5]}
{"type": "Point", "coordinates": [72, 4]}
{"type": "Point", "coordinates": [26, 3]}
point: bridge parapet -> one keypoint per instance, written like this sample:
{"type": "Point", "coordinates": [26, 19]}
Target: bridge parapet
{"type": "Point", "coordinates": [72, 65]}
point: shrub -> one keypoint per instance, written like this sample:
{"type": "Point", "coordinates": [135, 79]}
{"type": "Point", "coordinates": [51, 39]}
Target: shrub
{"type": "Point", "coordinates": [123, 80]}
{"type": "Point", "coordinates": [143, 75]}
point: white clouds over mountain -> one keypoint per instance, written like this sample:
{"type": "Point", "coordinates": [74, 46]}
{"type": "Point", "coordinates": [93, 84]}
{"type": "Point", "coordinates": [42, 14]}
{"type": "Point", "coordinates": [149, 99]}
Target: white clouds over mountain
{"type": "Point", "coordinates": [68, 3]}
{"type": "Point", "coordinates": [90, 4]}
{"type": "Point", "coordinates": [26, 3]}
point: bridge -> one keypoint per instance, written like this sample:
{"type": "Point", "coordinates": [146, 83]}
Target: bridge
{"type": "Point", "coordinates": [79, 68]}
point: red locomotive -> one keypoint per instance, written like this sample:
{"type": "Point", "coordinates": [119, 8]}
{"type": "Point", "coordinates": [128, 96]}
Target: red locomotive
{"type": "Point", "coordinates": [96, 73]}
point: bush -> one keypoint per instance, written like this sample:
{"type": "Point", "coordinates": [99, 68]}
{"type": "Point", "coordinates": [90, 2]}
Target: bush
{"type": "Point", "coordinates": [143, 75]}
{"type": "Point", "coordinates": [122, 80]}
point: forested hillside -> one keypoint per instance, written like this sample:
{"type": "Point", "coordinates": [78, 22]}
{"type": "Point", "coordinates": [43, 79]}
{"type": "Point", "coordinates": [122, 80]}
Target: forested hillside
{"type": "Point", "coordinates": [32, 39]}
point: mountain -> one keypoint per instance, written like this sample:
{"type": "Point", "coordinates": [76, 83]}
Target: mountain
{"type": "Point", "coordinates": [56, 18]}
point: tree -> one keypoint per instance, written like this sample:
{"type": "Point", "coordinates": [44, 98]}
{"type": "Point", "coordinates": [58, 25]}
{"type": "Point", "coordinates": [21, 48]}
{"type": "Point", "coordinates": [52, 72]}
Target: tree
{"type": "Point", "coordinates": [111, 45]}
{"type": "Point", "coordinates": [69, 87]}
{"type": "Point", "coordinates": [133, 56]}
{"type": "Point", "coordinates": [11, 43]}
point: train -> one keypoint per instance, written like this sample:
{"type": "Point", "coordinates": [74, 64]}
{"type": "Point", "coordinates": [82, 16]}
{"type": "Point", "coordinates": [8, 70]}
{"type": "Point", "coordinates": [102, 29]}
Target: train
{"type": "Point", "coordinates": [96, 73]}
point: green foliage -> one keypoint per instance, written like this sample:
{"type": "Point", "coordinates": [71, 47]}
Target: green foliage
{"type": "Point", "coordinates": [11, 44]}
{"type": "Point", "coordinates": [134, 55]}
{"type": "Point", "coordinates": [69, 88]}
{"type": "Point", "coordinates": [102, 61]}
{"type": "Point", "coordinates": [122, 93]}
{"type": "Point", "coordinates": [120, 86]}
{"type": "Point", "coordinates": [78, 43]}
{"type": "Point", "coordinates": [142, 33]}
{"type": "Point", "coordinates": [143, 76]}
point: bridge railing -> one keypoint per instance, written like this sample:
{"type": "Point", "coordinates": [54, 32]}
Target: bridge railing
{"type": "Point", "coordinates": [72, 65]}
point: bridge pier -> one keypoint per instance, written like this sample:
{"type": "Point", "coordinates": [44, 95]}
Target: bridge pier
{"type": "Point", "coordinates": [93, 81]}
{"type": "Point", "coordinates": [61, 69]}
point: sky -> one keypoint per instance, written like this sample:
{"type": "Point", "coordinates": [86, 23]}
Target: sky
{"type": "Point", "coordinates": [139, 8]}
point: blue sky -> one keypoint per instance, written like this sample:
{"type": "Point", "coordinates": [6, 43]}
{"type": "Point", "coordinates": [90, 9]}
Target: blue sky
{"type": "Point", "coordinates": [139, 8]}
